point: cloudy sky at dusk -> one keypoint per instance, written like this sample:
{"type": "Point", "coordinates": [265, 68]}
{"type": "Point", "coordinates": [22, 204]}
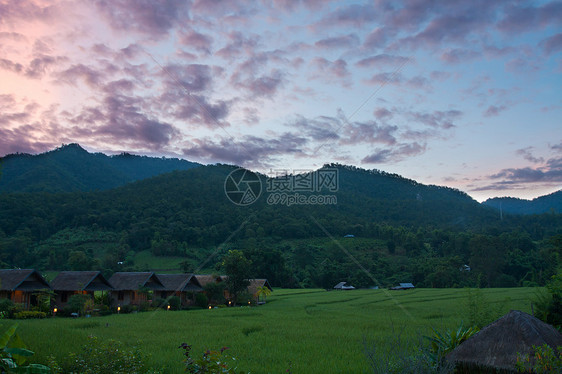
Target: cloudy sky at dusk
{"type": "Point", "coordinates": [466, 94]}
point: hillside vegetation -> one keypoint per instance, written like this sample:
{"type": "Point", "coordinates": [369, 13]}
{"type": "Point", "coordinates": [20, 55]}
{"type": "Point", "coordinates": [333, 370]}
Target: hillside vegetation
{"type": "Point", "coordinates": [404, 232]}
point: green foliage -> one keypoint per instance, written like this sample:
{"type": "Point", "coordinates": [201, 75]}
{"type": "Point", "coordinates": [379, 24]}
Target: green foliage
{"type": "Point", "coordinates": [174, 302]}
{"type": "Point", "coordinates": [238, 270]}
{"type": "Point", "coordinates": [7, 308]}
{"type": "Point", "coordinates": [201, 300]}
{"type": "Point", "coordinates": [549, 303]}
{"type": "Point", "coordinates": [27, 314]}
{"type": "Point", "coordinates": [77, 303]}
{"type": "Point", "coordinates": [479, 311]}
{"type": "Point", "coordinates": [543, 360]}
{"type": "Point", "coordinates": [214, 293]}
{"type": "Point", "coordinates": [212, 362]}
{"type": "Point", "coordinates": [13, 354]}
{"type": "Point", "coordinates": [442, 343]}
{"type": "Point", "coordinates": [106, 357]}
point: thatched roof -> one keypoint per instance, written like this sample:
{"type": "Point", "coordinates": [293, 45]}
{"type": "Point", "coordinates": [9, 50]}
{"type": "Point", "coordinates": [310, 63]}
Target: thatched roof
{"type": "Point", "coordinates": [80, 281]}
{"type": "Point", "coordinates": [497, 345]}
{"type": "Point", "coordinates": [180, 282]}
{"type": "Point", "coordinates": [22, 280]}
{"type": "Point", "coordinates": [132, 281]}
{"type": "Point", "coordinates": [255, 284]}
{"type": "Point", "coordinates": [204, 279]}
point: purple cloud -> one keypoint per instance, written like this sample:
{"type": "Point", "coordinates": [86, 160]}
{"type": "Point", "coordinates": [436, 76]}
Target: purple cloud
{"type": "Point", "coordinates": [190, 77]}
{"type": "Point", "coordinates": [153, 18]}
{"type": "Point", "coordinates": [528, 155]}
{"type": "Point", "coordinates": [494, 110]}
{"type": "Point", "coordinates": [345, 41]}
{"type": "Point", "coordinates": [552, 44]}
{"type": "Point", "coordinates": [457, 55]}
{"type": "Point", "coordinates": [437, 119]}
{"type": "Point", "coordinates": [248, 151]}
{"type": "Point", "coordinates": [382, 60]}
{"type": "Point", "coordinates": [349, 15]}
{"type": "Point", "coordinates": [238, 45]}
{"type": "Point", "coordinates": [80, 72]}
{"type": "Point", "coordinates": [520, 17]}
{"type": "Point", "coordinates": [10, 65]}
{"type": "Point", "coordinates": [198, 41]}
{"type": "Point", "coordinates": [395, 154]}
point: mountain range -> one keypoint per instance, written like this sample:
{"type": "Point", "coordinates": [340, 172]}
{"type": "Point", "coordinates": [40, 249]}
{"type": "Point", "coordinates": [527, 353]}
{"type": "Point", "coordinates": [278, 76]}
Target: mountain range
{"type": "Point", "coordinates": [69, 209]}
{"type": "Point", "coordinates": [72, 168]}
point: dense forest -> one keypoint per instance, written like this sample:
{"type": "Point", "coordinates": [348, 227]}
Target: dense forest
{"type": "Point", "coordinates": [403, 231]}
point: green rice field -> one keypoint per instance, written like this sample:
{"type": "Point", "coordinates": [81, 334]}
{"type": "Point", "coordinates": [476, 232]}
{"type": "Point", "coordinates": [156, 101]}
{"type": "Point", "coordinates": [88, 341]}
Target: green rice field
{"type": "Point", "coordinates": [304, 331]}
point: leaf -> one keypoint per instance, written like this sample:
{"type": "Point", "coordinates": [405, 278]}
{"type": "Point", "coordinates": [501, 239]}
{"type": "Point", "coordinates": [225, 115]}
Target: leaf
{"type": "Point", "coordinates": [32, 369]}
{"type": "Point", "coordinates": [19, 351]}
{"type": "Point", "coordinates": [5, 338]}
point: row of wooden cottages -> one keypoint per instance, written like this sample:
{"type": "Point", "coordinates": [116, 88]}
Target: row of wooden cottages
{"type": "Point", "coordinates": [22, 285]}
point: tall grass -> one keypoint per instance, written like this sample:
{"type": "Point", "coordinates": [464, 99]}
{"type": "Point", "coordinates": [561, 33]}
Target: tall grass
{"type": "Point", "coordinates": [308, 331]}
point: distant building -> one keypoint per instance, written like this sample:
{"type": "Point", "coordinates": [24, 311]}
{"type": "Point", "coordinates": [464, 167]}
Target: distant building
{"type": "Point", "coordinates": [20, 286]}
{"type": "Point", "coordinates": [183, 286]}
{"type": "Point", "coordinates": [403, 286]}
{"type": "Point", "coordinates": [343, 286]}
{"type": "Point", "coordinates": [68, 283]}
{"type": "Point", "coordinates": [128, 287]}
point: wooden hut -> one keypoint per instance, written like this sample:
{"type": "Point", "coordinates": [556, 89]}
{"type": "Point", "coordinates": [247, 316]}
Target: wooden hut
{"type": "Point", "coordinates": [133, 287]}
{"type": "Point", "coordinates": [182, 285]}
{"type": "Point", "coordinates": [21, 285]}
{"type": "Point", "coordinates": [495, 348]}
{"type": "Point", "coordinates": [255, 286]}
{"type": "Point", "coordinates": [68, 283]}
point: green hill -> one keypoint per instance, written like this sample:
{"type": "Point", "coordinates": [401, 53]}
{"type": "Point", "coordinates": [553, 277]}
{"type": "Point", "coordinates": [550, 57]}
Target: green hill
{"type": "Point", "coordinates": [71, 168]}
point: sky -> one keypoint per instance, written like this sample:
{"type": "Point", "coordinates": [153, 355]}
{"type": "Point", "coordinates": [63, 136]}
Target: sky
{"type": "Point", "coordinates": [465, 94]}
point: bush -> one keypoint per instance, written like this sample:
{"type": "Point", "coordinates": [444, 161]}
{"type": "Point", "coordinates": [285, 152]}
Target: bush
{"type": "Point", "coordinates": [210, 362]}
{"type": "Point", "coordinates": [174, 302]}
{"type": "Point", "coordinates": [77, 302]}
{"type": "Point", "coordinates": [201, 300]}
{"type": "Point", "coordinates": [128, 308]}
{"type": "Point", "coordinates": [7, 308]}
{"type": "Point", "coordinates": [159, 303]}
{"type": "Point", "coordinates": [29, 315]}
{"type": "Point", "coordinates": [98, 357]}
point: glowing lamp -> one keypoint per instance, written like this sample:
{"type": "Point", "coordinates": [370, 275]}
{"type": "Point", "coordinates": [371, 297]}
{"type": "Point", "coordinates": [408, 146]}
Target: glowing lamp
{"type": "Point", "coordinates": [168, 307]}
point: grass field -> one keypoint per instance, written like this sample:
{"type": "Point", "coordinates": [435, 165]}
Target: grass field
{"type": "Point", "coordinates": [306, 331]}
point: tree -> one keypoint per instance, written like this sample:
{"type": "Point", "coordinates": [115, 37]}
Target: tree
{"type": "Point", "coordinates": [263, 291]}
{"type": "Point", "coordinates": [237, 269]}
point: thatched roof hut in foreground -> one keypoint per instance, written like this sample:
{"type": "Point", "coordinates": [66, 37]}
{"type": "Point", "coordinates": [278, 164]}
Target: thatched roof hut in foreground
{"type": "Point", "coordinates": [494, 349]}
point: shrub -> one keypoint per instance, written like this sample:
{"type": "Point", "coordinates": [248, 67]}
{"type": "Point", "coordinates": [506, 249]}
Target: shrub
{"type": "Point", "coordinates": [7, 307]}
{"type": "Point", "coordinates": [77, 302]}
{"type": "Point", "coordinates": [98, 357]}
{"type": "Point", "coordinates": [201, 300]}
{"type": "Point", "coordinates": [128, 308]}
{"type": "Point", "coordinates": [29, 315]}
{"type": "Point", "coordinates": [544, 360]}
{"type": "Point", "coordinates": [159, 303]}
{"type": "Point", "coordinates": [210, 362]}
{"type": "Point", "coordinates": [174, 302]}
{"type": "Point", "coordinates": [443, 343]}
